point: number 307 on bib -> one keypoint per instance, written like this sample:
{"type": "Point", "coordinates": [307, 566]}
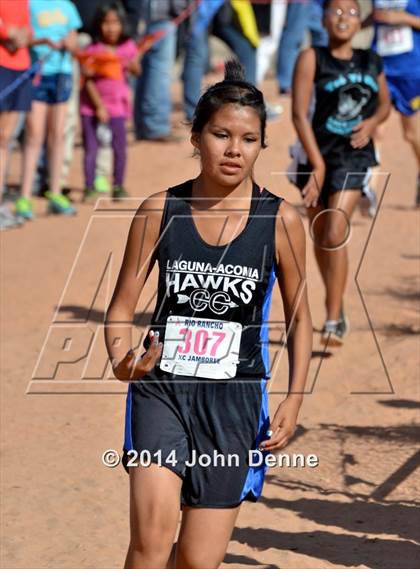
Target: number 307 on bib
{"type": "Point", "coordinates": [201, 347]}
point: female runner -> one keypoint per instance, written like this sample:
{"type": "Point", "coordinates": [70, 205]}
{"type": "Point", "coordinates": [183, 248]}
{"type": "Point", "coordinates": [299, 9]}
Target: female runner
{"type": "Point", "coordinates": [200, 387]}
{"type": "Point", "coordinates": [351, 100]}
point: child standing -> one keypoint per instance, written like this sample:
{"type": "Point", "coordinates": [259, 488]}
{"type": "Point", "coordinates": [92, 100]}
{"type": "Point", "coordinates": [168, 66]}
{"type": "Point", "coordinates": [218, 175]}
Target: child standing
{"type": "Point", "coordinates": [15, 35]}
{"type": "Point", "coordinates": [57, 22]}
{"type": "Point", "coordinates": [105, 98]}
{"type": "Point", "coordinates": [351, 100]}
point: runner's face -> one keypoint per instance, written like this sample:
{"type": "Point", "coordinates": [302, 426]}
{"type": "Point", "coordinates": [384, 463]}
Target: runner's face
{"type": "Point", "coordinates": [229, 144]}
{"type": "Point", "coordinates": [111, 28]}
{"type": "Point", "coordinates": [342, 20]}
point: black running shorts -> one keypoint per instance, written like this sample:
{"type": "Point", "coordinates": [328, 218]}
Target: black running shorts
{"type": "Point", "coordinates": [204, 432]}
{"type": "Point", "coordinates": [336, 179]}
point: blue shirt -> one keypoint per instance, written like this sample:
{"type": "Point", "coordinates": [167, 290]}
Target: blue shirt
{"type": "Point", "coordinates": [53, 19]}
{"type": "Point", "coordinates": [404, 64]}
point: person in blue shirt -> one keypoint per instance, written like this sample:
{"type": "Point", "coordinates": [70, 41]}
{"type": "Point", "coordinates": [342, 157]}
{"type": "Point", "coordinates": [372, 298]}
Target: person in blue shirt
{"type": "Point", "coordinates": [57, 21]}
{"type": "Point", "coordinates": [301, 16]}
{"type": "Point", "coordinates": [397, 40]}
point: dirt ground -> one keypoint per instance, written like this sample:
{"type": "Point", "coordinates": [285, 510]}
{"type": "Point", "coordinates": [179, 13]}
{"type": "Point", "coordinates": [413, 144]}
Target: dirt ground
{"type": "Point", "coordinates": [62, 509]}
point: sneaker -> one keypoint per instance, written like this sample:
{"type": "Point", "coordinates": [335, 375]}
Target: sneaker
{"type": "Point", "coordinates": [7, 218]}
{"type": "Point", "coordinates": [23, 208]}
{"type": "Point", "coordinates": [118, 193]}
{"type": "Point", "coordinates": [368, 204]}
{"type": "Point", "coordinates": [102, 184]}
{"type": "Point", "coordinates": [59, 204]}
{"type": "Point", "coordinates": [334, 331]}
{"type": "Point", "coordinates": [91, 195]}
{"type": "Point", "coordinates": [67, 193]}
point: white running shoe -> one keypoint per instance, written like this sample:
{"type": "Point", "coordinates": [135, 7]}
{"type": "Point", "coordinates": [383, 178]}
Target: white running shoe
{"type": "Point", "coordinates": [368, 203]}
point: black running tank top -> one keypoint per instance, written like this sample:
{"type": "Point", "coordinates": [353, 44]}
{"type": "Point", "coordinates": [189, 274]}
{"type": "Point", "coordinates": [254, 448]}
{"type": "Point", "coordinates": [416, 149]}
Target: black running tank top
{"type": "Point", "coordinates": [213, 301]}
{"type": "Point", "coordinates": [346, 93]}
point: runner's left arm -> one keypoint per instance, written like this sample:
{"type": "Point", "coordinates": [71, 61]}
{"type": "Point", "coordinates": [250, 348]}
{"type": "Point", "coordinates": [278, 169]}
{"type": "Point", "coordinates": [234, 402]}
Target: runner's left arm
{"type": "Point", "coordinates": [291, 276]}
{"type": "Point", "coordinates": [363, 132]}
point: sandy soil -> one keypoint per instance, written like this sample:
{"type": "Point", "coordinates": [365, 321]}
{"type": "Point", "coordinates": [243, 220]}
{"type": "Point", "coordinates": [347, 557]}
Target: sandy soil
{"type": "Point", "coordinates": [62, 509]}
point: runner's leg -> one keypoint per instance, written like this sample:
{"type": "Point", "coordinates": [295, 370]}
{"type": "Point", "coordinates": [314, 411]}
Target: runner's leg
{"type": "Point", "coordinates": [335, 232]}
{"type": "Point", "coordinates": [411, 131]}
{"type": "Point", "coordinates": [154, 514]}
{"type": "Point", "coordinates": [204, 537]}
{"type": "Point", "coordinates": [317, 232]}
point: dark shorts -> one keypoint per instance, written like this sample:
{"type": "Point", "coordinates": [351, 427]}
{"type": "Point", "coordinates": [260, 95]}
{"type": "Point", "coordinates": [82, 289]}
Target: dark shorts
{"type": "Point", "coordinates": [174, 423]}
{"type": "Point", "coordinates": [19, 99]}
{"type": "Point", "coordinates": [53, 89]}
{"type": "Point", "coordinates": [405, 94]}
{"type": "Point", "coordinates": [336, 179]}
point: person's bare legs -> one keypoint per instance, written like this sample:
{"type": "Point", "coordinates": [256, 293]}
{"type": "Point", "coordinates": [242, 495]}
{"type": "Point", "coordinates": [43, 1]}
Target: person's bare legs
{"type": "Point", "coordinates": [34, 138]}
{"type": "Point", "coordinates": [335, 233]}
{"type": "Point", "coordinates": [411, 132]}
{"type": "Point", "coordinates": [204, 537]}
{"type": "Point", "coordinates": [316, 231]}
{"type": "Point", "coordinates": [154, 514]}
{"type": "Point", "coordinates": [8, 122]}
{"type": "Point", "coordinates": [329, 231]}
{"type": "Point", "coordinates": [56, 119]}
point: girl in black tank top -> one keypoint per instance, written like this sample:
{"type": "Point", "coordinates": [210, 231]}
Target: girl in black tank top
{"type": "Point", "coordinates": [351, 99]}
{"type": "Point", "coordinates": [200, 387]}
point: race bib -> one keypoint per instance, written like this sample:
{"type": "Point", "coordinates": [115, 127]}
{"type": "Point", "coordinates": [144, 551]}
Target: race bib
{"type": "Point", "coordinates": [393, 40]}
{"type": "Point", "coordinates": [201, 347]}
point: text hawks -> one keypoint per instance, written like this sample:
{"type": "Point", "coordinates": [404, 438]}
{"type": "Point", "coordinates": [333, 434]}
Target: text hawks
{"type": "Point", "coordinates": [237, 280]}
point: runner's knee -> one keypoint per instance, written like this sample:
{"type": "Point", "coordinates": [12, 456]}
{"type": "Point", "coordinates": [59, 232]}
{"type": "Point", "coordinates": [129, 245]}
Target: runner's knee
{"type": "Point", "coordinates": [334, 236]}
{"type": "Point", "coordinates": [197, 559]}
{"type": "Point", "coordinates": [154, 541]}
{"type": "Point", "coordinates": [410, 135]}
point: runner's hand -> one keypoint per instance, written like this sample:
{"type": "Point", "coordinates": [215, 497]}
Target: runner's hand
{"type": "Point", "coordinates": [131, 368]}
{"type": "Point", "coordinates": [362, 133]}
{"type": "Point", "coordinates": [283, 426]}
{"type": "Point", "coordinates": [311, 190]}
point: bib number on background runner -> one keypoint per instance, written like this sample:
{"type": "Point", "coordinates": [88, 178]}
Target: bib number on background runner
{"type": "Point", "coordinates": [201, 347]}
{"type": "Point", "coordinates": [393, 40]}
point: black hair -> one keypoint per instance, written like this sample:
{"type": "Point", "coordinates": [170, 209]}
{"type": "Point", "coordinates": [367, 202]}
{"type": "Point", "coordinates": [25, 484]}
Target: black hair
{"type": "Point", "coordinates": [327, 4]}
{"type": "Point", "coordinates": [233, 89]}
{"type": "Point", "coordinates": [101, 12]}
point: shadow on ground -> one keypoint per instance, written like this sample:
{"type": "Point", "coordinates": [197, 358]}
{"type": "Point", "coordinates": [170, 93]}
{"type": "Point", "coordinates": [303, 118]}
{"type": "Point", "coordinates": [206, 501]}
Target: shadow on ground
{"type": "Point", "coordinates": [343, 550]}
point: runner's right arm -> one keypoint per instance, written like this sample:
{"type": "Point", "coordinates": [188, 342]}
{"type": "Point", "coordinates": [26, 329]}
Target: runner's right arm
{"type": "Point", "coordinates": [397, 18]}
{"type": "Point", "coordinates": [137, 264]}
{"type": "Point", "coordinates": [303, 83]}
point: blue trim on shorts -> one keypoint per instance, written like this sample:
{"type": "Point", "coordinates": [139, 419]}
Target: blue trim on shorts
{"type": "Point", "coordinates": [405, 94]}
{"type": "Point", "coordinates": [128, 435]}
{"type": "Point", "coordinates": [255, 478]}
{"type": "Point", "coordinates": [264, 326]}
